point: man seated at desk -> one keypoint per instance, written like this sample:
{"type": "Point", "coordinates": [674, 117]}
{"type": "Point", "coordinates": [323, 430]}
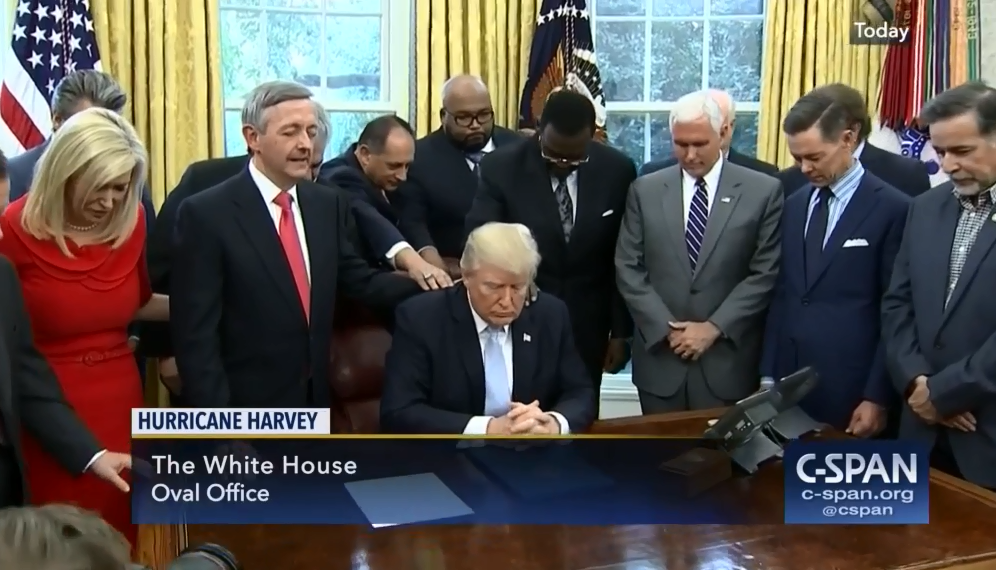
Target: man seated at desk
{"type": "Point", "coordinates": [474, 359]}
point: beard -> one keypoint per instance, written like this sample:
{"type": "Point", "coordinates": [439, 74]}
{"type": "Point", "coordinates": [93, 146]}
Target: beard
{"type": "Point", "coordinates": [475, 144]}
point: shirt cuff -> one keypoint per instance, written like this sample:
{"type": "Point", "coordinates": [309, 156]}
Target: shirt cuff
{"type": "Point", "coordinates": [478, 425]}
{"type": "Point", "coordinates": [767, 383]}
{"type": "Point", "coordinates": [94, 460]}
{"type": "Point", "coordinates": [565, 428]}
{"type": "Point", "coordinates": [395, 250]}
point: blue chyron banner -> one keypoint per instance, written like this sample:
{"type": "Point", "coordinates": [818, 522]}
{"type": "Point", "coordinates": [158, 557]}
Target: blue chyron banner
{"type": "Point", "coordinates": [389, 482]}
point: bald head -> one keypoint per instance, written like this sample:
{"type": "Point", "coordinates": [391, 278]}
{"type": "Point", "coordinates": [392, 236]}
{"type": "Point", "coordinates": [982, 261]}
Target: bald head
{"type": "Point", "coordinates": [729, 109]}
{"type": "Point", "coordinates": [466, 115]}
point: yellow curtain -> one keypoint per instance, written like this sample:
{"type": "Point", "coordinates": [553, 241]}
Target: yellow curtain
{"type": "Point", "coordinates": [489, 38]}
{"type": "Point", "coordinates": [807, 44]}
{"type": "Point", "coordinates": [167, 57]}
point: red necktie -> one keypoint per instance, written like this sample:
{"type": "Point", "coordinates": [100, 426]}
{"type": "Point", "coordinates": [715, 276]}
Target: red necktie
{"type": "Point", "coordinates": [292, 249]}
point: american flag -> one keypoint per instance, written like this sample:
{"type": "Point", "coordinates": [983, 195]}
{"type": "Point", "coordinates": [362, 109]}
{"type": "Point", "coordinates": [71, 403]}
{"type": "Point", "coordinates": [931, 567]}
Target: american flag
{"type": "Point", "coordinates": [51, 39]}
{"type": "Point", "coordinates": [562, 57]}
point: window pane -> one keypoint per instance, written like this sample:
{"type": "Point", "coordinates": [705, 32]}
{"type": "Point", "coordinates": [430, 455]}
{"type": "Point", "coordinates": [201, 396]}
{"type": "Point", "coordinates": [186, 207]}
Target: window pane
{"type": "Point", "coordinates": [745, 134]}
{"type": "Point", "coordinates": [619, 7]}
{"type": "Point", "coordinates": [235, 144]}
{"type": "Point", "coordinates": [620, 47]}
{"type": "Point", "coordinates": [625, 132]}
{"type": "Point", "coordinates": [238, 4]}
{"type": "Point", "coordinates": [735, 57]}
{"type": "Point", "coordinates": [242, 52]}
{"type": "Point", "coordinates": [676, 52]}
{"type": "Point", "coordinates": [736, 7]}
{"type": "Point", "coordinates": [294, 4]}
{"type": "Point", "coordinates": [353, 60]}
{"type": "Point", "coordinates": [660, 136]}
{"type": "Point", "coordinates": [346, 127]}
{"type": "Point", "coordinates": [291, 46]}
{"type": "Point", "coordinates": [679, 8]}
{"type": "Point", "coordinates": [351, 6]}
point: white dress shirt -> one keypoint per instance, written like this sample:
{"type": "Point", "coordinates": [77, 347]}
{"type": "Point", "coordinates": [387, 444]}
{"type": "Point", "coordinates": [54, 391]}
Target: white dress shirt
{"type": "Point", "coordinates": [711, 182]}
{"type": "Point", "coordinates": [478, 425]}
{"type": "Point", "coordinates": [572, 190]}
{"type": "Point", "coordinates": [269, 191]}
{"type": "Point", "coordinates": [487, 148]}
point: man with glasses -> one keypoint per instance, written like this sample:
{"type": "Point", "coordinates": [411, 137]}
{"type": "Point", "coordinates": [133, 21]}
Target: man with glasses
{"type": "Point", "coordinates": [434, 201]}
{"type": "Point", "coordinates": [570, 191]}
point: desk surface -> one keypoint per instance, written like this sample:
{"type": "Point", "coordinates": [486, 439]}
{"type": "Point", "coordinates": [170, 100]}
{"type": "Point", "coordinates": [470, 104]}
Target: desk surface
{"type": "Point", "coordinates": [960, 536]}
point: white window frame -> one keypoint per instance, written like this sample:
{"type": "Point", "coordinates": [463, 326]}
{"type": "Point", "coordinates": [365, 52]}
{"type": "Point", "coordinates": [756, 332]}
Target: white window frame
{"type": "Point", "coordinates": [645, 108]}
{"type": "Point", "coordinates": [396, 56]}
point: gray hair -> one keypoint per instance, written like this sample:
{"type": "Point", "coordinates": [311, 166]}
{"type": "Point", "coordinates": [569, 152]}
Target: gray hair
{"type": "Point", "coordinates": [324, 126]}
{"type": "Point", "coordinates": [506, 246]}
{"type": "Point", "coordinates": [975, 98]}
{"type": "Point", "coordinates": [88, 85]}
{"type": "Point", "coordinates": [696, 106]}
{"type": "Point", "coordinates": [725, 101]}
{"type": "Point", "coordinates": [270, 94]}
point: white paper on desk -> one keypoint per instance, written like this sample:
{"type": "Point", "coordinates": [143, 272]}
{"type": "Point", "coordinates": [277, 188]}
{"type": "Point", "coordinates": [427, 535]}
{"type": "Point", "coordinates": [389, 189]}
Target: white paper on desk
{"type": "Point", "coordinates": [408, 499]}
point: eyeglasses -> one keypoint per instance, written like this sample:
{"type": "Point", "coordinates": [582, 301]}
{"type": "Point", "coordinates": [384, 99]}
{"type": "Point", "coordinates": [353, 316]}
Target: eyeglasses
{"type": "Point", "coordinates": [560, 161]}
{"type": "Point", "coordinates": [465, 120]}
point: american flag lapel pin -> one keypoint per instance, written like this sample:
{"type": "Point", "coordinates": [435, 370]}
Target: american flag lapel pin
{"type": "Point", "coordinates": [526, 338]}
{"type": "Point", "coordinates": [993, 218]}
{"type": "Point", "coordinates": [725, 199]}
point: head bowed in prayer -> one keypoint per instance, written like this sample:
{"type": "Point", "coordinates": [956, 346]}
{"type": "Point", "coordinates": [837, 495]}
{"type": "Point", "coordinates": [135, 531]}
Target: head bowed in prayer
{"type": "Point", "coordinates": [385, 151]}
{"type": "Point", "coordinates": [467, 115]}
{"type": "Point", "coordinates": [83, 89]}
{"type": "Point", "coordinates": [88, 181]}
{"type": "Point", "coordinates": [499, 264]}
{"type": "Point", "coordinates": [854, 103]}
{"type": "Point", "coordinates": [565, 129]}
{"type": "Point", "coordinates": [279, 124]}
{"type": "Point", "coordinates": [323, 130]}
{"type": "Point", "coordinates": [698, 128]}
{"type": "Point", "coordinates": [60, 537]}
{"type": "Point", "coordinates": [962, 123]}
{"type": "Point", "coordinates": [728, 107]}
{"type": "Point", "coordinates": [822, 135]}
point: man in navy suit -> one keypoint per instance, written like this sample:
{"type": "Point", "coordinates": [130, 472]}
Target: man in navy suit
{"type": "Point", "coordinates": [939, 319]}
{"type": "Point", "coordinates": [840, 236]}
{"type": "Point", "coordinates": [368, 172]}
{"type": "Point", "coordinates": [474, 359]}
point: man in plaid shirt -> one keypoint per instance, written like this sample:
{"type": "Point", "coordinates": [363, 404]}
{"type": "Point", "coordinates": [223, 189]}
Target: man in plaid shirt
{"type": "Point", "coordinates": [939, 320]}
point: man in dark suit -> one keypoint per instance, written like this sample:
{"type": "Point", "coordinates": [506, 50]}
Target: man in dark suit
{"type": "Point", "coordinates": [368, 172]}
{"type": "Point", "coordinates": [76, 92]}
{"type": "Point", "coordinates": [939, 321]}
{"type": "Point", "coordinates": [474, 359]}
{"type": "Point", "coordinates": [729, 110]}
{"type": "Point", "coordinates": [256, 267]}
{"type": "Point", "coordinates": [570, 192]}
{"type": "Point", "coordinates": [902, 173]}
{"type": "Point", "coordinates": [31, 397]}
{"type": "Point", "coordinates": [435, 199]}
{"type": "Point", "coordinates": [199, 176]}
{"type": "Point", "coordinates": [840, 236]}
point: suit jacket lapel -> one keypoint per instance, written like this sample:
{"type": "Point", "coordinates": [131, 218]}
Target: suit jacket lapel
{"type": "Point", "coordinates": [587, 206]}
{"type": "Point", "coordinates": [468, 343]}
{"type": "Point", "coordinates": [524, 357]}
{"type": "Point", "coordinates": [254, 218]}
{"type": "Point", "coordinates": [727, 196]}
{"type": "Point", "coordinates": [674, 220]}
{"type": "Point", "coordinates": [793, 240]}
{"type": "Point", "coordinates": [937, 248]}
{"type": "Point", "coordinates": [980, 250]}
{"type": "Point", "coordinates": [541, 192]}
{"type": "Point", "coordinates": [322, 246]}
{"type": "Point", "coordinates": [862, 204]}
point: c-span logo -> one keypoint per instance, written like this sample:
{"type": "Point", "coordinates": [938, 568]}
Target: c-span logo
{"type": "Point", "coordinates": [856, 482]}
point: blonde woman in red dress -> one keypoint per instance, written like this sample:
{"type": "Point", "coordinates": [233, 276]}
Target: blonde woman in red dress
{"type": "Point", "coordinates": [77, 241]}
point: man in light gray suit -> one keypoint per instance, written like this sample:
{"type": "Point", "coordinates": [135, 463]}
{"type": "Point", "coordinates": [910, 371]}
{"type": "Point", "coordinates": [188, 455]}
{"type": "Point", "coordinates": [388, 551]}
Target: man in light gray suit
{"type": "Point", "coordinates": [696, 263]}
{"type": "Point", "coordinates": [938, 317]}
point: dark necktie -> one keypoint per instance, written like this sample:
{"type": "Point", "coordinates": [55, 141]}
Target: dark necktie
{"type": "Point", "coordinates": [698, 217]}
{"type": "Point", "coordinates": [475, 160]}
{"type": "Point", "coordinates": [816, 232]}
{"type": "Point", "coordinates": [565, 206]}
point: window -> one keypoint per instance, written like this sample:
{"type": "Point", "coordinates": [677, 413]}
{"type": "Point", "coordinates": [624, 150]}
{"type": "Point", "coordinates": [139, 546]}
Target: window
{"type": "Point", "coordinates": [651, 52]}
{"type": "Point", "coordinates": [354, 55]}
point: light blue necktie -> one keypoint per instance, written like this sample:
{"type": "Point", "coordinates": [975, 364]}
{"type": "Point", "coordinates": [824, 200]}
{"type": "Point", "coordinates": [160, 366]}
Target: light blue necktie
{"type": "Point", "coordinates": [497, 392]}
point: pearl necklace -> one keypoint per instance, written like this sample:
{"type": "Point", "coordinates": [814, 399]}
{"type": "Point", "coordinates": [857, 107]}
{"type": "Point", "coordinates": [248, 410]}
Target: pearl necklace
{"type": "Point", "coordinates": [82, 229]}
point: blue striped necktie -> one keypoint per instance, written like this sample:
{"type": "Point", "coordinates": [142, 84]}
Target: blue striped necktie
{"type": "Point", "coordinates": [475, 159]}
{"type": "Point", "coordinates": [698, 216]}
{"type": "Point", "coordinates": [497, 391]}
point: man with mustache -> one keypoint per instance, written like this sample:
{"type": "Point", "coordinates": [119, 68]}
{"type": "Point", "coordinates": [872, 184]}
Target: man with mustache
{"type": "Point", "coordinates": [570, 191]}
{"type": "Point", "coordinates": [435, 199]}
{"type": "Point", "coordinates": [938, 318]}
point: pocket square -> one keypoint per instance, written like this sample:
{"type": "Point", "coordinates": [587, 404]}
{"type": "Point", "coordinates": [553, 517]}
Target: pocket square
{"type": "Point", "coordinates": [607, 213]}
{"type": "Point", "coordinates": [856, 242]}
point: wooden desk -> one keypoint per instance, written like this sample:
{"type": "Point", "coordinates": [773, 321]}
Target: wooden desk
{"type": "Point", "coordinates": [960, 536]}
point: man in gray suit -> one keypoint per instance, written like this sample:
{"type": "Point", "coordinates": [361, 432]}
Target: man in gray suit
{"type": "Point", "coordinates": [696, 263]}
{"type": "Point", "coordinates": [938, 317]}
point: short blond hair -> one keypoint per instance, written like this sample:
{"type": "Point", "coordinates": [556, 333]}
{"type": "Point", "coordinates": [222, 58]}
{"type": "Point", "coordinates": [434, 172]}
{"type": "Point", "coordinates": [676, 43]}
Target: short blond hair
{"type": "Point", "coordinates": [510, 247]}
{"type": "Point", "coordinates": [91, 149]}
{"type": "Point", "coordinates": [60, 537]}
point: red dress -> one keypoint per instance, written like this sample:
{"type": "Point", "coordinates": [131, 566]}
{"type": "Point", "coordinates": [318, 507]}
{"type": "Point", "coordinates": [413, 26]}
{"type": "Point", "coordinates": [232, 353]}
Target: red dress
{"type": "Point", "coordinates": [80, 308]}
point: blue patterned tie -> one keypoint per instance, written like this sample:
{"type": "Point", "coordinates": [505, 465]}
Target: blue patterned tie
{"type": "Point", "coordinates": [475, 159]}
{"type": "Point", "coordinates": [565, 206]}
{"type": "Point", "coordinates": [498, 392]}
{"type": "Point", "coordinates": [698, 216]}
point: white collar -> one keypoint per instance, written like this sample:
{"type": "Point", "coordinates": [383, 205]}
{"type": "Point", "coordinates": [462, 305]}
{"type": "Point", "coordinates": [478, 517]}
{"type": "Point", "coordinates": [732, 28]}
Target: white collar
{"type": "Point", "coordinates": [489, 147]}
{"type": "Point", "coordinates": [479, 322]}
{"type": "Point", "coordinates": [267, 188]}
{"type": "Point", "coordinates": [860, 148]}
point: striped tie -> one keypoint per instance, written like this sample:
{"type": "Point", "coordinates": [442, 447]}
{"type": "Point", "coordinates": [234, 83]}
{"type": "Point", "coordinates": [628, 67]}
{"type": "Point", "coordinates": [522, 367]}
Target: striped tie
{"type": "Point", "coordinates": [698, 215]}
